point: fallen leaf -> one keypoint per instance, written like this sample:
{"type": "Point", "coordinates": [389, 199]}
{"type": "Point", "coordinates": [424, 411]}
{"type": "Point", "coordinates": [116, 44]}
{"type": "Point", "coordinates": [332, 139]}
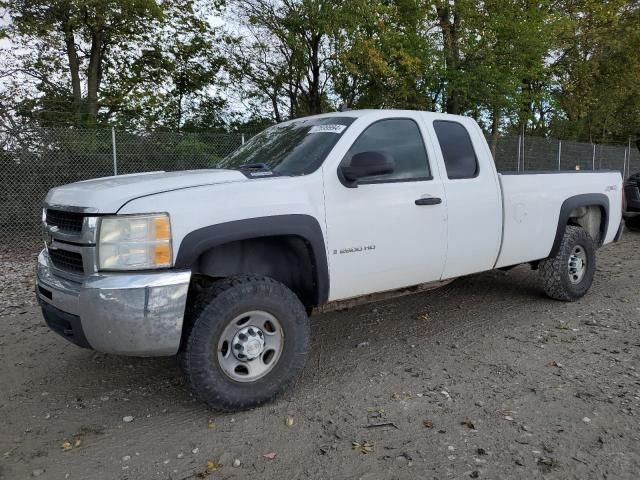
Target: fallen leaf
{"type": "Point", "coordinates": [364, 447]}
{"type": "Point", "coordinates": [468, 424]}
{"type": "Point", "coordinates": [212, 466]}
{"type": "Point", "coordinates": [289, 421]}
{"type": "Point", "coordinates": [270, 455]}
{"type": "Point", "coordinates": [375, 412]}
{"type": "Point", "coordinates": [402, 396]}
{"type": "Point", "coordinates": [77, 442]}
{"type": "Point", "coordinates": [10, 451]}
{"type": "Point", "coordinates": [428, 423]}
{"type": "Point", "coordinates": [66, 446]}
{"type": "Point", "coordinates": [211, 424]}
{"type": "Point", "coordinates": [424, 317]}
{"type": "Point", "coordinates": [547, 461]}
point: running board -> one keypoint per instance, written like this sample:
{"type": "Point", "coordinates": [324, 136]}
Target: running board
{"type": "Point", "coordinates": [377, 297]}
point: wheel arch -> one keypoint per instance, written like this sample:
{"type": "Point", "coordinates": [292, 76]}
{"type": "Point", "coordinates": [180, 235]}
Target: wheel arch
{"type": "Point", "coordinates": [579, 209]}
{"type": "Point", "coordinates": [283, 240]}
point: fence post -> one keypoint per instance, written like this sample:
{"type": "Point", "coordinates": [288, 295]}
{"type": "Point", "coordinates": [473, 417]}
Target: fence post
{"type": "Point", "coordinates": [624, 163]}
{"type": "Point", "coordinates": [519, 147]}
{"type": "Point", "coordinates": [243, 139]}
{"type": "Point", "coordinates": [594, 157]}
{"type": "Point", "coordinates": [629, 160]}
{"type": "Point", "coordinates": [113, 146]}
{"type": "Point", "coordinates": [559, 153]}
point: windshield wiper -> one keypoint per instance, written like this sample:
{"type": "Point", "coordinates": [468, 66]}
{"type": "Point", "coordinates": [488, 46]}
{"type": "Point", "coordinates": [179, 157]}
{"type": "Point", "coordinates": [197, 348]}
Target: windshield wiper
{"type": "Point", "coordinates": [255, 166]}
{"type": "Point", "coordinates": [252, 170]}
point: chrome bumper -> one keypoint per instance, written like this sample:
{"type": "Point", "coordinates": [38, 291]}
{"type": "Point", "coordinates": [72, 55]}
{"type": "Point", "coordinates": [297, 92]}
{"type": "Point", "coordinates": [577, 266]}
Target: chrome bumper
{"type": "Point", "coordinates": [137, 314]}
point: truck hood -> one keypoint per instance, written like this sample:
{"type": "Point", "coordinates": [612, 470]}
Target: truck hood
{"type": "Point", "coordinates": [109, 194]}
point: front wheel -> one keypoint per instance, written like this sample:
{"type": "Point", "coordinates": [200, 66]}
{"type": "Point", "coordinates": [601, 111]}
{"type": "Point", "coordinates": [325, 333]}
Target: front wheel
{"type": "Point", "coordinates": [569, 274]}
{"type": "Point", "coordinates": [250, 338]}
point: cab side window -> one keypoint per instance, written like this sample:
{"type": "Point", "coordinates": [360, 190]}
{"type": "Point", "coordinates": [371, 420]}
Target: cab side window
{"type": "Point", "coordinates": [457, 150]}
{"type": "Point", "coordinates": [401, 139]}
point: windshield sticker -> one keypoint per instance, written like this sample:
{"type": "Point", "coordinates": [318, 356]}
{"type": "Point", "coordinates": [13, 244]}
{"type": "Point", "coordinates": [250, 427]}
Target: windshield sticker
{"type": "Point", "coordinates": [337, 129]}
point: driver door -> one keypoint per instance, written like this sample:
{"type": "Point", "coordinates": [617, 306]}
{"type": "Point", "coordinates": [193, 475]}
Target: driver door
{"type": "Point", "coordinates": [389, 231]}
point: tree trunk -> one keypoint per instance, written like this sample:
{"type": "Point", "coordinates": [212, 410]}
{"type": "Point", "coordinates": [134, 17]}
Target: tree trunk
{"type": "Point", "coordinates": [74, 67]}
{"type": "Point", "coordinates": [315, 100]}
{"type": "Point", "coordinates": [449, 25]}
{"type": "Point", "coordinates": [179, 115]}
{"type": "Point", "coordinates": [94, 74]}
{"type": "Point", "coordinates": [495, 124]}
{"type": "Point", "coordinates": [276, 110]}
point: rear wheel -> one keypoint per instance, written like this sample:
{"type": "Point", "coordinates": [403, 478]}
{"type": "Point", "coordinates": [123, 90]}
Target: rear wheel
{"type": "Point", "coordinates": [569, 274]}
{"type": "Point", "coordinates": [249, 340]}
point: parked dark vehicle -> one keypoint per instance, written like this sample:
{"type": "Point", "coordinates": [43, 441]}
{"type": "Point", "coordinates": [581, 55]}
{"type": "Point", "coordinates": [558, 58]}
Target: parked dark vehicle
{"type": "Point", "coordinates": [632, 198]}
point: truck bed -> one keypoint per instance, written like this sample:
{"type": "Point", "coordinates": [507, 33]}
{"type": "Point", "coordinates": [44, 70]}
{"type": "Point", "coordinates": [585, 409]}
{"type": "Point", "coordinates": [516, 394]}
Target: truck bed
{"type": "Point", "coordinates": [531, 209]}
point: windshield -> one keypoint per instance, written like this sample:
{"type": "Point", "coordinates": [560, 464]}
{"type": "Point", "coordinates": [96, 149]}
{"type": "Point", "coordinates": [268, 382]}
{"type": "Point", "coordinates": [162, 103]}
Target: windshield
{"type": "Point", "coordinates": [294, 148]}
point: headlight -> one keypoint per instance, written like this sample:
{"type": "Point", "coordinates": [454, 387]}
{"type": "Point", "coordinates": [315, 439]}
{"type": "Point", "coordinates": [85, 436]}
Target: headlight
{"type": "Point", "coordinates": [134, 242]}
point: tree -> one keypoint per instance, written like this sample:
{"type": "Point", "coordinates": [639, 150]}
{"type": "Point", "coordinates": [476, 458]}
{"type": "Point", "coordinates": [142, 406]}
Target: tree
{"type": "Point", "coordinates": [387, 57]}
{"type": "Point", "coordinates": [505, 72]}
{"type": "Point", "coordinates": [282, 50]}
{"type": "Point", "coordinates": [113, 52]}
{"type": "Point", "coordinates": [597, 94]}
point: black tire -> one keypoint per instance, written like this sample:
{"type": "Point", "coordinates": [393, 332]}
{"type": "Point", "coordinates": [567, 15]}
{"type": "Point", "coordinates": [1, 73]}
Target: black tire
{"type": "Point", "coordinates": [633, 223]}
{"type": "Point", "coordinates": [213, 312]}
{"type": "Point", "coordinates": [562, 283]}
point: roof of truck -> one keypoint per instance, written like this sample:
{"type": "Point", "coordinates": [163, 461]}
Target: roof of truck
{"type": "Point", "coordinates": [380, 113]}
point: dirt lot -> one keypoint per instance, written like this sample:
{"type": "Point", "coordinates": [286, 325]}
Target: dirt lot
{"type": "Point", "coordinates": [484, 378]}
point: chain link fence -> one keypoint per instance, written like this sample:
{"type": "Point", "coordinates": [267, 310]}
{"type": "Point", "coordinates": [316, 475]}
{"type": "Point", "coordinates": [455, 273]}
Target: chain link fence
{"type": "Point", "coordinates": [33, 160]}
{"type": "Point", "coordinates": [527, 153]}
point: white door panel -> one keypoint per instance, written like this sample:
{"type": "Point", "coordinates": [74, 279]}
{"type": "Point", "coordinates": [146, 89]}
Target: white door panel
{"type": "Point", "coordinates": [378, 237]}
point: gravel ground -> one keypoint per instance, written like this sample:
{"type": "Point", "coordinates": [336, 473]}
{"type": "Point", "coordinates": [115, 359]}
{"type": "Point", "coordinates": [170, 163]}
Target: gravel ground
{"type": "Point", "coordinates": [16, 283]}
{"type": "Point", "coordinates": [483, 378]}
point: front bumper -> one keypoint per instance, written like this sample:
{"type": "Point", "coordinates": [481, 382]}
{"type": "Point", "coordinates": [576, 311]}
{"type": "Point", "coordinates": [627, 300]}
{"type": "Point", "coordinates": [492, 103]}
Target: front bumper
{"type": "Point", "coordinates": [137, 314]}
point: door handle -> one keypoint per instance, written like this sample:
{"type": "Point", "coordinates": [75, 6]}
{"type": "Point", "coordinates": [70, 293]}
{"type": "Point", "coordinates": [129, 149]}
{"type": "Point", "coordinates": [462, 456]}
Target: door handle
{"type": "Point", "coordinates": [429, 201]}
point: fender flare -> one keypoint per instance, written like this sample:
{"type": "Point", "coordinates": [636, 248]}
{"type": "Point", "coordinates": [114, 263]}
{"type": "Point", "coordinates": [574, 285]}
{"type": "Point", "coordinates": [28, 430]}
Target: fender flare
{"type": "Point", "coordinates": [577, 201]}
{"type": "Point", "coordinates": [306, 227]}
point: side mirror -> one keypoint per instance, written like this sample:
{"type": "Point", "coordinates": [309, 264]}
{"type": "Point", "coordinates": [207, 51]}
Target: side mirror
{"type": "Point", "coordinates": [367, 164]}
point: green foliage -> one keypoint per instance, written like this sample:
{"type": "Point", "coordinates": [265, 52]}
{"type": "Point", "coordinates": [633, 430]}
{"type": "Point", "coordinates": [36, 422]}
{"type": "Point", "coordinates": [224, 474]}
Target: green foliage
{"type": "Point", "coordinates": [598, 93]}
{"type": "Point", "coordinates": [547, 67]}
{"type": "Point", "coordinates": [92, 61]}
{"type": "Point", "coordinates": [388, 58]}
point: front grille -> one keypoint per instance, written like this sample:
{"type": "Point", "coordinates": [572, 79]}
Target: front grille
{"type": "Point", "coordinates": [66, 260]}
{"type": "Point", "coordinates": [65, 221]}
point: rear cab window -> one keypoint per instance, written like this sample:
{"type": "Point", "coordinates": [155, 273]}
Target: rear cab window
{"type": "Point", "coordinates": [457, 150]}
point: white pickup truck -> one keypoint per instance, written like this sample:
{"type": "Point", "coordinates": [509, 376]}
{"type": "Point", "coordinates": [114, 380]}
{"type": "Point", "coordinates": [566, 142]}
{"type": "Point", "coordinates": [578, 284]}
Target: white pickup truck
{"type": "Point", "coordinates": [223, 267]}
